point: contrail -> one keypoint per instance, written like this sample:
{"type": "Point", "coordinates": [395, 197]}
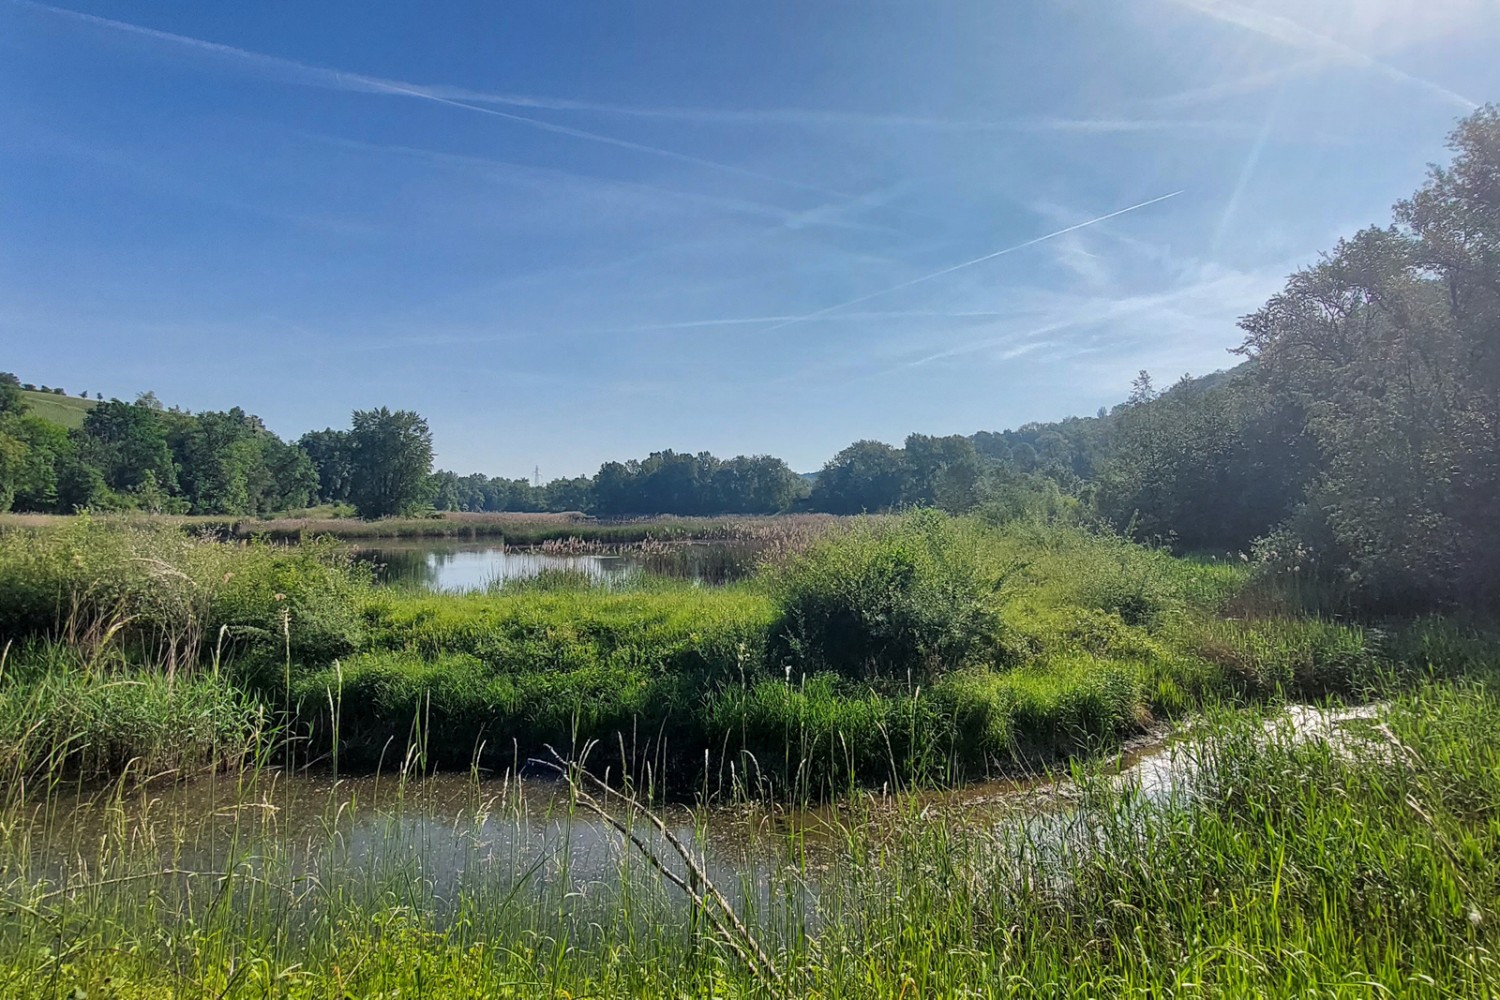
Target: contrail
{"type": "Point", "coordinates": [305, 74]}
{"type": "Point", "coordinates": [1289, 32]}
{"type": "Point", "coordinates": [968, 263]}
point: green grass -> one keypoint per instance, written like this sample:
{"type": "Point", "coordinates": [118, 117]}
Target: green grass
{"type": "Point", "coordinates": [893, 650]}
{"type": "Point", "coordinates": [1295, 868]}
{"type": "Point", "coordinates": [68, 411]}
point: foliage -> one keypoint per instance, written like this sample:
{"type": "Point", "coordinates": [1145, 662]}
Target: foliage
{"type": "Point", "coordinates": [391, 455]}
{"type": "Point", "coordinates": [865, 477]}
{"type": "Point", "coordinates": [102, 582]}
{"type": "Point", "coordinates": [886, 598]}
{"type": "Point", "coordinates": [668, 481]}
{"type": "Point", "coordinates": [332, 457]}
{"type": "Point", "coordinates": [1390, 343]}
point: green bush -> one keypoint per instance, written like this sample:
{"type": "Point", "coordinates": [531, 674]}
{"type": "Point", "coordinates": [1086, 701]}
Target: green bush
{"type": "Point", "coordinates": [887, 598]}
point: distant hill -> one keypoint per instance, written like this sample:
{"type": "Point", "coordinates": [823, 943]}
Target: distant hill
{"type": "Point", "coordinates": [65, 410]}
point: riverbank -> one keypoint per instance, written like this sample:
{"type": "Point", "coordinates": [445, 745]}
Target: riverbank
{"type": "Point", "coordinates": [1282, 867]}
{"type": "Point", "coordinates": [813, 703]}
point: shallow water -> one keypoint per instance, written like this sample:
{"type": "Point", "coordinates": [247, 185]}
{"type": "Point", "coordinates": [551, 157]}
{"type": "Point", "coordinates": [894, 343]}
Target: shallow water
{"type": "Point", "coordinates": [457, 567]}
{"type": "Point", "coordinates": [456, 831]}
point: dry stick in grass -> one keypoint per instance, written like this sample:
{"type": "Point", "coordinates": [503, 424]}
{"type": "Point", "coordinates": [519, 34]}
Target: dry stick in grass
{"type": "Point", "coordinates": [735, 934]}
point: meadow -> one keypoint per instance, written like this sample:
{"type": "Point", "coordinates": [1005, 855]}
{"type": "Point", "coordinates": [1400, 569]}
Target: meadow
{"type": "Point", "coordinates": [865, 661]}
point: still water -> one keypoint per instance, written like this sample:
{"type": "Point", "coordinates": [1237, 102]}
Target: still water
{"type": "Point", "coordinates": [457, 567]}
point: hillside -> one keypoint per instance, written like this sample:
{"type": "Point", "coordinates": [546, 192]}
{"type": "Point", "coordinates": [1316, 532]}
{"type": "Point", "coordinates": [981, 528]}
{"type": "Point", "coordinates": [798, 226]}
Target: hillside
{"type": "Point", "coordinates": [65, 410]}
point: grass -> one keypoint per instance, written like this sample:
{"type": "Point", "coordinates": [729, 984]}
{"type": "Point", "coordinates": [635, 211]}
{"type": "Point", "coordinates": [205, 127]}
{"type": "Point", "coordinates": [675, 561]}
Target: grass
{"type": "Point", "coordinates": [891, 650]}
{"type": "Point", "coordinates": [68, 411]}
{"type": "Point", "coordinates": [1290, 867]}
{"type": "Point", "coordinates": [1287, 866]}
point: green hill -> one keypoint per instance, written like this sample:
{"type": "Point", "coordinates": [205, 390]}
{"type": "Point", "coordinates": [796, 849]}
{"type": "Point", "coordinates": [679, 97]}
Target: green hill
{"type": "Point", "coordinates": [65, 410]}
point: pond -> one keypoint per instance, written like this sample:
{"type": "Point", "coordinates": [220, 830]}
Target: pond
{"type": "Point", "coordinates": [457, 567]}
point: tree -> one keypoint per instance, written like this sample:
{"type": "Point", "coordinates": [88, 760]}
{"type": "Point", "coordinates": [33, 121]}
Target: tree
{"type": "Point", "coordinates": [127, 442]}
{"type": "Point", "coordinates": [332, 455]}
{"type": "Point", "coordinates": [570, 494]}
{"type": "Point", "coordinates": [866, 476]}
{"type": "Point", "coordinates": [941, 471]}
{"type": "Point", "coordinates": [392, 462]}
{"type": "Point", "coordinates": [11, 400]}
{"type": "Point", "coordinates": [1391, 346]}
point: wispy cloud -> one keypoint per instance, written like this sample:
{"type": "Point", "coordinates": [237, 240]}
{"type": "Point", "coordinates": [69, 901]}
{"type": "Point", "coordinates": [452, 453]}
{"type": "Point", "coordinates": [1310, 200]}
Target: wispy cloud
{"type": "Point", "coordinates": [815, 118]}
{"type": "Point", "coordinates": [1211, 291]}
{"type": "Point", "coordinates": [839, 214]}
{"type": "Point", "coordinates": [1247, 83]}
{"type": "Point", "coordinates": [1291, 33]}
{"type": "Point", "coordinates": [293, 72]}
{"type": "Point", "coordinates": [969, 263]}
{"type": "Point", "coordinates": [303, 74]}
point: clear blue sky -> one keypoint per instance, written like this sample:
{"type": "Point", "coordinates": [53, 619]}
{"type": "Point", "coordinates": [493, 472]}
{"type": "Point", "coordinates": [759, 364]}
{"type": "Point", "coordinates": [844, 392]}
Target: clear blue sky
{"type": "Point", "coordinates": [569, 232]}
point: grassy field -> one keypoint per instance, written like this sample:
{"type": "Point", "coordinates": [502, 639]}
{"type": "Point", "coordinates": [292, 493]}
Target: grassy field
{"type": "Point", "coordinates": [891, 653]}
{"type": "Point", "coordinates": [68, 411]}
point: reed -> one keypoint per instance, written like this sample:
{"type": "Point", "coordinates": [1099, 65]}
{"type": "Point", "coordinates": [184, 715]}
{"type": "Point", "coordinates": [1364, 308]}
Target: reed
{"type": "Point", "coordinates": [1286, 862]}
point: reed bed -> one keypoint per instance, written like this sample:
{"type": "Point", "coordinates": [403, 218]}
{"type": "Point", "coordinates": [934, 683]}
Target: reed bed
{"type": "Point", "coordinates": [1283, 866]}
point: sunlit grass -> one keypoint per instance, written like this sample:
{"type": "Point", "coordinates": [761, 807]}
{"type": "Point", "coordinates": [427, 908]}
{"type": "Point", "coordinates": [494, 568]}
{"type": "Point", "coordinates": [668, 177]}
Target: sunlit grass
{"type": "Point", "coordinates": [1287, 866]}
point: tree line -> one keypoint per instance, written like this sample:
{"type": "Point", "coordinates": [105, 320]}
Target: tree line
{"type": "Point", "coordinates": [1359, 440]}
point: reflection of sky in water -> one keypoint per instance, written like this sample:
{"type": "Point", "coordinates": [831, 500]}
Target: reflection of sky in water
{"type": "Point", "coordinates": [461, 569]}
{"type": "Point", "coordinates": [456, 837]}
{"type": "Point", "coordinates": [467, 566]}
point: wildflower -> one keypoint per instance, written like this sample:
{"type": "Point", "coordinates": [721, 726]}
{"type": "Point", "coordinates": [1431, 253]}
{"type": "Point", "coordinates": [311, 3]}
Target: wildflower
{"type": "Point", "coordinates": [280, 597]}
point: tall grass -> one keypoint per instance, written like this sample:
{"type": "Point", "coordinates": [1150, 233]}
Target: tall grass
{"type": "Point", "coordinates": [1287, 866]}
{"type": "Point", "coordinates": [920, 648]}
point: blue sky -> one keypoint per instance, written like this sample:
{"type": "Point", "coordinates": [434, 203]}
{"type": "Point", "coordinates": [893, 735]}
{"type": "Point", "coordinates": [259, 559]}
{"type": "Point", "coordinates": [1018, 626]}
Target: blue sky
{"type": "Point", "coordinates": [570, 232]}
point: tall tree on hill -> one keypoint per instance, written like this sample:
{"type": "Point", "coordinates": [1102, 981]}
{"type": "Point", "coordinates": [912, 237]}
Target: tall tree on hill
{"type": "Point", "coordinates": [11, 400]}
{"type": "Point", "coordinates": [392, 462]}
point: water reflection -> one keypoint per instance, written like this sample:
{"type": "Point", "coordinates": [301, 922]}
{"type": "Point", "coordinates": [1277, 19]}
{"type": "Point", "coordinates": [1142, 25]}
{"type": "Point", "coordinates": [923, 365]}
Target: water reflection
{"type": "Point", "coordinates": [457, 567]}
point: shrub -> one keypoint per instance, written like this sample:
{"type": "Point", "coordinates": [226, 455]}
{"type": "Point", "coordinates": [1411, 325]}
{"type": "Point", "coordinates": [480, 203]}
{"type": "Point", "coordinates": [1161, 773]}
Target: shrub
{"type": "Point", "coordinates": [61, 715]}
{"type": "Point", "coordinates": [887, 597]}
{"type": "Point", "coordinates": [148, 584]}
